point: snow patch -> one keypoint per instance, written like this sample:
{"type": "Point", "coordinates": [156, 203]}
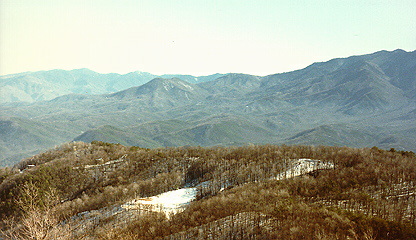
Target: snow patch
{"type": "Point", "coordinates": [304, 166]}
{"type": "Point", "coordinates": [167, 86]}
{"type": "Point", "coordinates": [186, 85]}
{"type": "Point", "coordinates": [175, 201]}
{"type": "Point", "coordinates": [169, 202]}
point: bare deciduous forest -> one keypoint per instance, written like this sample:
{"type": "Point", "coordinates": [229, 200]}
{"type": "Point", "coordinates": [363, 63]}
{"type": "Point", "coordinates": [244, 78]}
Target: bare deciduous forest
{"type": "Point", "coordinates": [76, 191]}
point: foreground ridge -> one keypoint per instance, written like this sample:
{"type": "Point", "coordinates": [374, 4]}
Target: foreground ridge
{"type": "Point", "coordinates": [110, 191]}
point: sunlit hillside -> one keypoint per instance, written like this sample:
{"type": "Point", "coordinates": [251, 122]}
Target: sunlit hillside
{"type": "Point", "coordinates": [109, 191]}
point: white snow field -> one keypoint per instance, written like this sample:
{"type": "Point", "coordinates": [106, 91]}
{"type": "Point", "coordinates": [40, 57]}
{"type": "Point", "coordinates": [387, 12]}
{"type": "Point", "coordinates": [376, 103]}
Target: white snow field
{"type": "Point", "coordinates": [174, 201]}
{"type": "Point", "coordinates": [303, 166]}
{"type": "Point", "coordinates": [168, 202]}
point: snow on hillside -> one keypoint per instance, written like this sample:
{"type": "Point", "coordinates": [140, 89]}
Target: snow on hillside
{"type": "Point", "coordinates": [174, 201]}
{"type": "Point", "coordinates": [304, 166]}
{"type": "Point", "coordinates": [169, 202]}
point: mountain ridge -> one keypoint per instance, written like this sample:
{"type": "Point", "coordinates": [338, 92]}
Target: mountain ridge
{"type": "Point", "coordinates": [46, 85]}
{"type": "Point", "coordinates": [372, 91]}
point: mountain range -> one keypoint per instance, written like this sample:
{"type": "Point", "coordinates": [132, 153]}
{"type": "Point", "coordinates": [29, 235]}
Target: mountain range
{"type": "Point", "coordinates": [46, 85]}
{"type": "Point", "coordinates": [358, 101]}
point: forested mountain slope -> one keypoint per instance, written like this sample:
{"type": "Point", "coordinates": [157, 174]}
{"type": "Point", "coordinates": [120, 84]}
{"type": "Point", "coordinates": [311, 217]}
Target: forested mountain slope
{"type": "Point", "coordinates": [359, 101]}
{"type": "Point", "coordinates": [104, 191]}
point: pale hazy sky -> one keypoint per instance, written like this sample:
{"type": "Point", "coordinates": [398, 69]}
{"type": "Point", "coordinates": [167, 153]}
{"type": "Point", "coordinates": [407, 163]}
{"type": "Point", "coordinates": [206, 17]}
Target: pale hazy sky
{"type": "Point", "coordinates": [198, 37]}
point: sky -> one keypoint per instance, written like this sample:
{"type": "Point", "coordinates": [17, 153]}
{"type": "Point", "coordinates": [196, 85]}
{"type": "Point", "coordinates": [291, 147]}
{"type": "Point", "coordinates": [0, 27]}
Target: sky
{"type": "Point", "coordinates": [197, 37]}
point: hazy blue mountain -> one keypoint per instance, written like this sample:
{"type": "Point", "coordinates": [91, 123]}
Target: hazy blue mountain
{"type": "Point", "coordinates": [398, 65]}
{"type": "Point", "coordinates": [193, 79]}
{"type": "Point", "coordinates": [336, 135]}
{"type": "Point", "coordinates": [163, 93]}
{"type": "Point", "coordinates": [112, 134]}
{"type": "Point", "coordinates": [46, 85]}
{"type": "Point", "coordinates": [23, 137]}
{"type": "Point", "coordinates": [216, 130]}
{"type": "Point", "coordinates": [354, 85]}
{"type": "Point", "coordinates": [232, 84]}
{"type": "Point", "coordinates": [128, 80]}
{"type": "Point", "coordinates": [359, 101]}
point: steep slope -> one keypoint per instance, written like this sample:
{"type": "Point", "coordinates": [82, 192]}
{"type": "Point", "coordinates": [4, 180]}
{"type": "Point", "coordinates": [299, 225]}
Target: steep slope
{"type": "Point", "coordinates": [361, 88]}
{"type": "Point", "coordinates": [398, 65]}
{"type": "Point", "coordinates": [163, 93]}
{"type": "Point", "coordinates": [21, 138]}
{"type": "Point", "coordinates": [232, 84]}
{"type": "Point", "coordinates": [352, 86]}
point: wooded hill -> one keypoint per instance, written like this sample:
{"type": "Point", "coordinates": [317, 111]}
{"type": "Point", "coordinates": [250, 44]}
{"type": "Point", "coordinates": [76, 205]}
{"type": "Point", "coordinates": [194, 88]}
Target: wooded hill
{"type": "Point", "coordinates": [75, 192]}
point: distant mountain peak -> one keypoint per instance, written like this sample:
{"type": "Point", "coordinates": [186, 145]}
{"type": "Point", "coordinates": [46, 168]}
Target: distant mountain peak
{"type": "Point", "coordinates": [81, 70]}
{"type": "Point", "coordinates": [400, 50]}
{"type": "Point", "coordinates": [163, 92]}
{"type": "Point", "coordinates": [375, 93]}
{"type": "Point", "coordinates": [169, 83]}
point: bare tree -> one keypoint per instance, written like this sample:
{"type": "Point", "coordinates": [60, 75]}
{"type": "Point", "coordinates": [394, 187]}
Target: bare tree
{"type": "Point", "coordinates": [38, 220]}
